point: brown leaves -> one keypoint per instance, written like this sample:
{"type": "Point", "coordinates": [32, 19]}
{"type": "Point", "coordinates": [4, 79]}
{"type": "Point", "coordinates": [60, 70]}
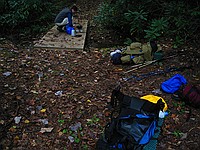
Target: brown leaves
{"type": "Point", "coordinates": [86, 80]}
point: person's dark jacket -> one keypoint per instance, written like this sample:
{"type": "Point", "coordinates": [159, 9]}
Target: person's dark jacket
{"type": "Point", "coordinates": [65, 13]}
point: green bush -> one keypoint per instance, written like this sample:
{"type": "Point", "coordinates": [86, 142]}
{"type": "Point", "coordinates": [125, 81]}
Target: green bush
{"type": "Point", "coordinates": [154, 19]}
{"type": "Point", "coordinates": [137, 21]}
{"type": "Point", "coordinates": [21, 14]}
{"type": "Point", "coordinates": [157, 28]}
{"type": "Point", "coordinates": [106, 15]}
{"type": "Point", "coordinates": [111, 15]}
{"type": "Point", "coordinates": [184, 19]}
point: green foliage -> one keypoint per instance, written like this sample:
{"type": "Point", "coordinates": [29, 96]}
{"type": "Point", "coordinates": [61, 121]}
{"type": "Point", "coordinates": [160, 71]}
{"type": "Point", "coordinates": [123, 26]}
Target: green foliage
{"type": "Point", "coordinates": [156, 28]}
{"type": "Point", "coordinates": [153, 19]}
{"type": "Point", "coordinates": [128, 41]}
{"type": "Point", "coordinates": [111, 15]}
{"type": "Point", "coordinates": [178, 41]}
{"type": "Point", "coordinates": [177, 133]}
{"type": "Point", "coordinates": [64, 131]}
{"type": "Point", "coordinates": [137, 20]}
{"type": "Point", "coordinates": [85, 147]}
{"type": "Point", "coordinates": [77, 140]}
{"type": "Point", "coordinates": [93, 120]}
{"type": "Point", "coordinates": [105, 15]}
{"type": "Point", "coordinates": [61, 122]}
{"type": "Point", "coordinates": [25, 13]}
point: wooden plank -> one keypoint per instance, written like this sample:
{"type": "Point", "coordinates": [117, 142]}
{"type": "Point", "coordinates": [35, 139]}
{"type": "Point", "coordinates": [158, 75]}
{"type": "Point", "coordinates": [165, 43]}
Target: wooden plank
{"type": "Point", "coordinates": [61, 40]}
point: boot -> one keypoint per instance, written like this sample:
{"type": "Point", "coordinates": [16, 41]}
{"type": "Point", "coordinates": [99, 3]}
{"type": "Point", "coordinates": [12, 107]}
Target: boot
{"type": "Point", "coordinates": [61, 28]}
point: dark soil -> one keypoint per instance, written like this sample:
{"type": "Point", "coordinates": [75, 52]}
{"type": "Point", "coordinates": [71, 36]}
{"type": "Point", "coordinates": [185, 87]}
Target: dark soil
{"type": "Point", "coordinates": [85, 80]}
{"type": "Point", "coordinates": [98, 36]}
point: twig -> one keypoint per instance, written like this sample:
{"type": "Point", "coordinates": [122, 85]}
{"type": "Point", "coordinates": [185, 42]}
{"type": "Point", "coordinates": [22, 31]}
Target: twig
{"type": "Point", "coordinates": [147, 63]}
{"type": "Point", "coordinates": [140, 66]}
{"type": "Point", "coordinates": [193, 128]}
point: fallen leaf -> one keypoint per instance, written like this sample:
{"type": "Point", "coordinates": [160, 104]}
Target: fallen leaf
{"type": "Point", "coordinates": [43, 110]}
{"type": "Point", "coordinates": [18, 97]}
{"type": "Point", "coordinates": [89, 101]}
{"type": "Point", "coordinates": [16, 139]}
{"type": "Point", "coordinates": [12, 129]}
{"type": "Point", "coordinates": [27, 121]}
{"type": "Point", "coordinates": [43, 130]}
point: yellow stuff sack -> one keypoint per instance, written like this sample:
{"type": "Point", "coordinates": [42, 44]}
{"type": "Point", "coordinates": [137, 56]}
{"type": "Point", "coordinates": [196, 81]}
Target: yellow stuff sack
{"type": "Point", "coordinates": [154, 99]}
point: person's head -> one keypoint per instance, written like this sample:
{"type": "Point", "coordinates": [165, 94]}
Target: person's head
{"type": "Point", "coordinates": [74, 9]}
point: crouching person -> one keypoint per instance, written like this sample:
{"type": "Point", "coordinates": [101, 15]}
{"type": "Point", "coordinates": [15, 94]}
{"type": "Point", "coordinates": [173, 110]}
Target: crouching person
{"type": "Point", "coordinates": [64, 18]}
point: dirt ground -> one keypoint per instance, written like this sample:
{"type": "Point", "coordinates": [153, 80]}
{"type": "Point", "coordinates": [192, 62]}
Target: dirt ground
{"type": "Point", "coordinates": [56, 99]}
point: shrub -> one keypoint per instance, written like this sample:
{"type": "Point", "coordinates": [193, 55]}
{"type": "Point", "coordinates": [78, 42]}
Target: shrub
{"type": "Point", "coordinates": [154, 19]}
{"type": "Point", "coordinates": [20, 14]}
{"type": "Point", "coordinates": [137, 21]}
{"type": "Point", "coordinates": [106, 15]}
{"type": "Point", "coordinates": [157, 28]}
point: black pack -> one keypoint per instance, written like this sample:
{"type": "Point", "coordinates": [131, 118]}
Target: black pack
{"type": "Point", "coordinates": [133, 123]}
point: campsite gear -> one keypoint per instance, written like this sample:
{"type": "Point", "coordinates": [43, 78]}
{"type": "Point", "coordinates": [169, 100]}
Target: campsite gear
{"type": "Point", "coordinates": [133, 123]}
{"type": "Point", "coordinates": [141, 65]}
{"type": "Point", "coordinates": [158, 55]}
{"type": "Point", "coordinates": [116, 58]}
{"type": "Point", "coordinates": [79, 28]}
{"type": "Point", "coordinates": [69, 29]}
{"type": "Point", "coordinates": [173, 84]}
{"type": "Point", "coordinates": [128, 59]}
{"type": "Point", "coordinates": [73, 32]}
{"type": "Point", "coordinates": [154, 46]}
{"type": "Point", "coordinates": [153, 73]}
{"type": "Point", "coordinates": [154, 99]}
{"type": "Point", "coordinates": [118, 99]}
{"type": "Point", "coordinates": [116, 51]}
{"type": "Point", "coordinates": [61, 28]}
{"type": "Point", "coordinates": [141, 52]}
{"type": "Point", "coordinates": [163, 114]}
{"type": "Point", "coordinates": [190, 94]}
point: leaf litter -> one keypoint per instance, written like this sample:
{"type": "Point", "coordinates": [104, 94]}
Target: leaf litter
{"type": "Point", "coordinates": [61, 97]}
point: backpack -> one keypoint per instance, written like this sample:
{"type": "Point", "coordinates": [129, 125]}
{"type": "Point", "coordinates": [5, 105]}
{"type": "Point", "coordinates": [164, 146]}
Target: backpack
{"type": "Point", "coordinates": [133, 123]}
{"type": "Point", "coordinates": [190, 94]}
{"type": "Point", "coordinates": [138, 53]}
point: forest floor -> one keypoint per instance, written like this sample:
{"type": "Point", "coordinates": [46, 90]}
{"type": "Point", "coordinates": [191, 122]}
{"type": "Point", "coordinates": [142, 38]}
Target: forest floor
{"type": "Point", "coordinates": [56, 99]}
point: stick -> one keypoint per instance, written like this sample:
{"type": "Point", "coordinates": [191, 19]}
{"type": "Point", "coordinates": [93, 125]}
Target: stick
{"type": "Point", "coordinates": [140, 66]}
{"type": "Point", "coordinates": [147, 63]}
{"type": "Point", "coordinates": [134, 66]}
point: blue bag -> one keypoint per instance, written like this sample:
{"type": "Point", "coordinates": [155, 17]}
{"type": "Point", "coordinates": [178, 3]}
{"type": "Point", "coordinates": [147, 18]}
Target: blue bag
{"type": "Point", "coordinates": [116, 59]}
{"type": "Point", "coordinates": [173, 84]}
{"type": "Point", "coordinates": [69, 29]}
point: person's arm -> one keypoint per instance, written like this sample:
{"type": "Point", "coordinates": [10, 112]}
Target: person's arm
{"type": "Point", "coordinates": [69, 15]}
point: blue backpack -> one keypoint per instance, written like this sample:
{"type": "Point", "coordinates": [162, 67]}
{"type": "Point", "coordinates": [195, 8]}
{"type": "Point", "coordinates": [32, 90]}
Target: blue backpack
{"type": "Point", "coordinates": [133, 123]}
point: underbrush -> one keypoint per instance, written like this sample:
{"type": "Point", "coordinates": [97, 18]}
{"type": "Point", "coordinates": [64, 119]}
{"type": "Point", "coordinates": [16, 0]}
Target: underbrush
{"type": "Point", "coordinates": [153, 19]}
{"type": "Point", "coordinates": [24, 19]}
